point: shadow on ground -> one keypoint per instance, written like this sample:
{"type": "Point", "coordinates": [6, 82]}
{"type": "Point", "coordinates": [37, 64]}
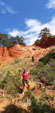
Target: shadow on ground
{"type": "Point", "coordinates": [20, 90]}
{"type": "Point", "coordinates": [14, 109]}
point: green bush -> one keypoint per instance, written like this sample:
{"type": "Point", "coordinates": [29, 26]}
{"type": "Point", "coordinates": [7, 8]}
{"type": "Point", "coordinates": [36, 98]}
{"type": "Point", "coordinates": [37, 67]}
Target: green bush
{"type": "Point", "coordinates": [47, 57]}
{"type": "Point", "coordinates": [53, 86]}
{"type": "Point", "coordinates": [50, 76]}
{"type": "Point", "coordinates": [0, 63]}
{"type": "Point", "coordinates": [39, 107]}
{"type": "Point", "coordinates": [37, 68]}
{"type": "Point", "coordinates": [45, 68]}
{"type": "Point", "coordinates": [11, 83]}
{"type": "Point", "coordinates": [45, 97]}
{"type": "Point", "coordinates": [16, 61]}
{"type": "Point", "coordinates": [8, 42]}
{"type": "Point", "coordinates": [28, 94]}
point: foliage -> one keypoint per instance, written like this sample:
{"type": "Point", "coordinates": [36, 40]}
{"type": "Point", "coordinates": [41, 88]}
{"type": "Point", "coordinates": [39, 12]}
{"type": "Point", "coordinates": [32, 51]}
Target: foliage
{"type": "Point", "coordinates": [15, 40]}
{"type": "Point", "coordinates": [39, 107]}
{"type": "Point", "coordinates": [44, 32]}
{"type": "Point", "coordinates": [28, 94]}
{"type": "Point", "coordinates": [45, 97]}
{"type": "Point", "coordinates": [8, 42]}
{"type": "Point", "coordinates": [16, 61]}
{"type": "Point", "coordinates": [11, 74]}
{"type": "Point", "coordinates": [48, 57]}
{"type": "Point", "coordinates": [3, 38]}
{"type": "Point", "coordinates": [11, 83]}
{"type": "Point", "coordinates": [0, 63]}
{"type": "Point", "coordinates": [44, 70]}
{"type": "Point", "coordinates": [53, 87]}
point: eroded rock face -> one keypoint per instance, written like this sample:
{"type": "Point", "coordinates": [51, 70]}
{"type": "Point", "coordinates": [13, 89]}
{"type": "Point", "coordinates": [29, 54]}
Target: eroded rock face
{"type": "Point", "coordinates": [45, 42]}
{"type": "Point", "coordinates": [4, 54]}
{"type": "Point", "coordinates": [19, 51]}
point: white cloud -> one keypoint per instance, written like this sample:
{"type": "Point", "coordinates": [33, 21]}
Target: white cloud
{"type": "Point", "coordinates": [32, 22]}
{"type": "Point", "coordinates": [10, 10]}
{"type": "Point", "coordinates": [51, 4]}
{"type": "Point", "coordinates": [33, 29]}
{"type": "Point", "coordinates": [14, 33]}
{"type": "Point", "coordinates": [5, 8]}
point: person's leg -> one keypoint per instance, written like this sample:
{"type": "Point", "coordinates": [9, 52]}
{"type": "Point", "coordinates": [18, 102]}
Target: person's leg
{"type": "Point", "coordinates": [27, 82]}
{"type": "Point", "coordinates": [28, 86]}
{"type": "Point", "coordinates": [23, 85]}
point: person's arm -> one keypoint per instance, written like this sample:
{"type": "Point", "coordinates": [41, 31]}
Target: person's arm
{"type": "Point", "coordinates": [19, 72]}
{"type": "Point", "coordinates": [27, 72]}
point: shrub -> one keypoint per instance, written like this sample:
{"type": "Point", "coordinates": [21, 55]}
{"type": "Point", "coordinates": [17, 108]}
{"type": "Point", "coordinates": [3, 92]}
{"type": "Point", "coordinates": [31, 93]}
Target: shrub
{"type": "Point", "coordinates": [37, 68]}
{"type": "Point", "coordinates": [45, 97]}
{"type": "Point", "coordinates": [45, 69]}
{"type": "Point", "coordinates": [53, 87]}
{"type": "Point", "coordinates": [39, 107]}
{"type": "Point", "coordinates": [50, 76]}
{"type": "Point", "coordinates": [28, 94]}
{"type": "Point", "coordinates": [16, 61]}
{"type": "Point", "coordinates": [47, 57]}
{"type": "Point", "coordinates": [0, 63]}
{"type": "Point", "coordinates": [11, 83]}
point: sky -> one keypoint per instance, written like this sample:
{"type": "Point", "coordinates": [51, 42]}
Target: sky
{"type": "Point", "coordinates": [26, 18]}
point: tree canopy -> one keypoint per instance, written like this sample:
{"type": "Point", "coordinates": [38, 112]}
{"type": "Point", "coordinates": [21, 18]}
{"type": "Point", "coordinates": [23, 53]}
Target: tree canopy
{"type": "Point", "coordinates": [8, 42]}
{"type": "Point", "coordinates": [3, 38]}
{"type": "Point", "coordinates": [44, 32]}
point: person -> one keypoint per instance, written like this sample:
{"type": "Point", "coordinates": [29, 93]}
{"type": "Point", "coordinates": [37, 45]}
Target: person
{"type": "Point", "coordinates": [19, 71]}
{"type": "Point", "coordinates": [25, 79]}
{"type": "Point", "coordinates": [33, 58]}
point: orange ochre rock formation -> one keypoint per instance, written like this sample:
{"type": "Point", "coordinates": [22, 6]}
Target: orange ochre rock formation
{"type": "Point", "coordinates": [39, 49]}
{"type": "Point", "coordinates": [45, 42]}
{"type": "Point", "coordinates": [17, 51]}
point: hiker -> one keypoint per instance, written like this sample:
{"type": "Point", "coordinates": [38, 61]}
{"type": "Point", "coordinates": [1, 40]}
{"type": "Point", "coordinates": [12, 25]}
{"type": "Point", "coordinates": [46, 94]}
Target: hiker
{"type": "Point", "coordinates": [19, 71]}
{"type": "Point", "coordinates": [25, 79]}
{"type": "Point", "coordinates": [33, 58]}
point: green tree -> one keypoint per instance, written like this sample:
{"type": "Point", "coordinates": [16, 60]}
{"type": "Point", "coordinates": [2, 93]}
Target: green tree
{"type": "Point", "coordinates": [19, 40]}
{"type": "Point", "coordinates": [8, 42]}
{"type": "Point", "coordinates": [15, 40]}
{"type": "Point", "coordinates": [44, 32]}
{"type": "Point", "coordinates": [3, 38]}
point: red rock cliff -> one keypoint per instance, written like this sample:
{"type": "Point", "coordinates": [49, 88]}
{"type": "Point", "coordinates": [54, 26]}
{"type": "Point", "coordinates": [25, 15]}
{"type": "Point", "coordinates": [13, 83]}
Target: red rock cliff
{"type": "Point", "coordinates": [45, 42]}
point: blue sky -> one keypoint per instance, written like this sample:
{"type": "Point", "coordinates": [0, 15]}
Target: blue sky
{"type": "Point", "coordinates": [26, 18]}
